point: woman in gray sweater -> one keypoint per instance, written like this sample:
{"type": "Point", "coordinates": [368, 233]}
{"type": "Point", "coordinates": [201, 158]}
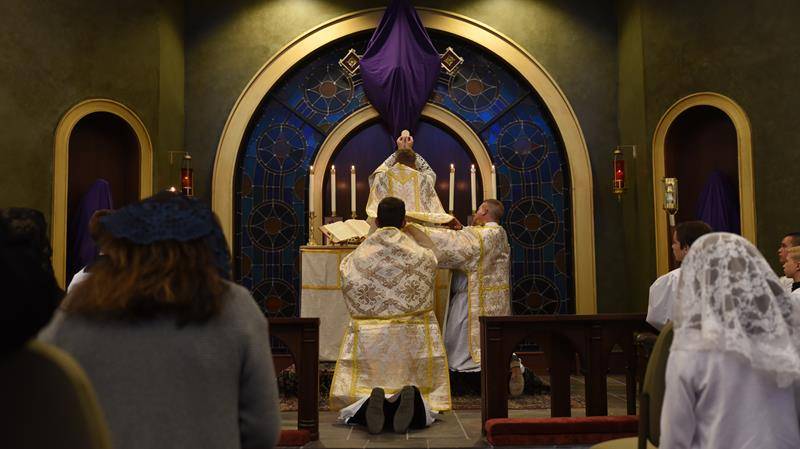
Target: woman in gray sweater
{"type": "Point", "coordinates": [178, 355]}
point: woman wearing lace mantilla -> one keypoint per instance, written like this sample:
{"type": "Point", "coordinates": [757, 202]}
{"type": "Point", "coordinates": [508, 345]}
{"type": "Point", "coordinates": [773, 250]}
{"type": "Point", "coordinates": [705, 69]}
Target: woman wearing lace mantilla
{"type": "Point", "coordinates": [735, 357]}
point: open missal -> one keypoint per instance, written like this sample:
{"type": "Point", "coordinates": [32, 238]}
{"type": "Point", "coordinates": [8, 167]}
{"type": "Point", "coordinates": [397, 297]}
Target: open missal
{"type": "Point", "coordinates": [343, 231]}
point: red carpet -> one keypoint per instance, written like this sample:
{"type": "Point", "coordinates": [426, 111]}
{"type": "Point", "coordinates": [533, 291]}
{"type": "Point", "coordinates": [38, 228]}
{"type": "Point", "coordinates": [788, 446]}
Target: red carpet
{"type": "Point", "coordinates": [559, 431]}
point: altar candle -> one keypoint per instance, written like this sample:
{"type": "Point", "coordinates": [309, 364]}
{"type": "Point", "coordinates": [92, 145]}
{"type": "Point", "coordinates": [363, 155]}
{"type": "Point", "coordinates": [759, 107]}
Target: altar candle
{"type": "Point", "coordinates": [494, 183]}
{"type": "Point", "coordinates": [353, 189]}
{"type": "Point", "coordinates": [472, 186]}
{"type": "Point", "coordinates": [452, 184]}
{"type": "Point", "coordinates": [333, 190]}
{"type": "Point", "coordinates": [310, 189]}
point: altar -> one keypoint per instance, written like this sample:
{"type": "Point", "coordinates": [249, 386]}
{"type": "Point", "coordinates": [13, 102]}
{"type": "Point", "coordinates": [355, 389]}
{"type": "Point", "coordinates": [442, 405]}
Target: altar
{"type": "Point", "coordinates": [321, 294]}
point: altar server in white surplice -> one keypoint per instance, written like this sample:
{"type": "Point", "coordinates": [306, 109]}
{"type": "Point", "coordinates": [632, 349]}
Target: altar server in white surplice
{"type": "Point", "coordinates": [480, 256]}
{"type": "Point", "coordinates": [407, 176]}
{"type": "Point", "coordinates": [735, 357]}
{"type": "Point", "coordinates": [393, 339]}
{"type": "Point", "coordinates": [663, 290]}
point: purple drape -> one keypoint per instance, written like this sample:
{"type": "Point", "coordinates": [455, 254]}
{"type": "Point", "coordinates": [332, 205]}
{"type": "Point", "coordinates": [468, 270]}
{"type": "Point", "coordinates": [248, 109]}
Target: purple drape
{"type": "Point", "coordinates": [718, 204]}
{"type": "Point", "coordinates": [82, 250]}
{"type": "Point", "coordinates": [399, 67]}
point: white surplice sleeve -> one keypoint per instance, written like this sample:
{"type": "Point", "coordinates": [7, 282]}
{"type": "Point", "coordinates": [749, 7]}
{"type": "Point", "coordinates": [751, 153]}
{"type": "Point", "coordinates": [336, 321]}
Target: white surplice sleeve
{"type": "Point", "coordinates": [661, 299]}
{"type": "Point", "coordinates": [678, 419]}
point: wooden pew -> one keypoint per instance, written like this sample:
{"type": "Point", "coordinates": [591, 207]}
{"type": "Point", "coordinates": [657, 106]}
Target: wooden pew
{"type": "Point", "coordinates": [301, 336]}
{"type": "Point", "coordinates": [560, 337]}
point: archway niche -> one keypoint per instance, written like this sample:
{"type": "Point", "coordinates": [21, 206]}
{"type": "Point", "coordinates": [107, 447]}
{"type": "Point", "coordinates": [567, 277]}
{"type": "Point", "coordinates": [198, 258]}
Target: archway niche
{"type": "Point", "coordinates": [101, 146]}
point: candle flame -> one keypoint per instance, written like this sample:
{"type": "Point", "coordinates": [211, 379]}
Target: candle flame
{"type": "Point", "coordinates": [452, 167]}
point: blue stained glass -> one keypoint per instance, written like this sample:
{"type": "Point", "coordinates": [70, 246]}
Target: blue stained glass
{"type": "Point", "coordinates": [297, 114]}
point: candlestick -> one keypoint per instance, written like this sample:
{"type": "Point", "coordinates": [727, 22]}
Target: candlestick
{"type": "Point", "coordinates": [310, 189]}
{"type": "Point", "coordinates": [353, 190]}
{"type": "Point", "coordinates": [333, 191]}
{"type": "Point", "coordinates": [494, 183]}
{"type": "Point", "coordinates": [311, 240]}
{"type": "Point", "coordinates": [452, 185]}
{"type": "Point", "coordinates": [472, 186]}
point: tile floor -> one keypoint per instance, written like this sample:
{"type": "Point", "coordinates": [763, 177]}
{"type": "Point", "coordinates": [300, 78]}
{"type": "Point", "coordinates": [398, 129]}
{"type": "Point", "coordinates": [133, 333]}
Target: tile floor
{"type": "Point", "coordinates": [456, 429]}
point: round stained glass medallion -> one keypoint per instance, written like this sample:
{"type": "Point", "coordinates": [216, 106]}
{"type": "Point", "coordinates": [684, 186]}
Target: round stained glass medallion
{"type": "Point", "coordinates": [328, 89]}
{"type": "Point", "coordinates": [275, 297]}
{"type": "Point", "coordinates": [532, 222]}
{"type": "Point", "coordinates": [522, 145]}
{"type": "Point", "coordinates": [535, 295]}
{"type": "Point", "coordinates": [474, 88]}
{"type": "Point", "coordinates": [281, 148]}
{"type": "Point", "coordinates": [272, 225]}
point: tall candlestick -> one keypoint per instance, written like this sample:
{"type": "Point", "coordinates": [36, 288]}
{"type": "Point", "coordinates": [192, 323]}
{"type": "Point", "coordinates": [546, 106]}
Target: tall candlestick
{"type": "Point", "coordinates": [494, 184]}
{"type": "Point", "coordinates": [452, 185]}
{"type": "Point", "coordinates": [333, 191]}
{"type": "Point", "coordinates": [472, 186]}
{"type": "Point", "coordinates": [353, 190]}
{"type": "Point", "coordinates": [310, 189]}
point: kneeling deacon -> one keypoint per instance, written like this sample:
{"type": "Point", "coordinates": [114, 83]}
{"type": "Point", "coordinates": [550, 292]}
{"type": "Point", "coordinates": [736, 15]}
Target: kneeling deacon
{"type": "Point", "coordinates": [392, 343]}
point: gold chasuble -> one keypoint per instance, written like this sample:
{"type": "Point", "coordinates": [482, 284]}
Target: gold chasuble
{"type": "Point", "coordinates": [393, 338]}
{"type": "Point", "coordinates": [482, 252]}
{"type": "Point", "coordinates": [413, 187]}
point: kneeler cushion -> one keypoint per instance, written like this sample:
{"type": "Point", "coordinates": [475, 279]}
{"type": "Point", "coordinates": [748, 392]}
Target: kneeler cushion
{"type": "Point", "coordinates": [550, 431]}
{"type": "Point", "coordinates": [290, 437]}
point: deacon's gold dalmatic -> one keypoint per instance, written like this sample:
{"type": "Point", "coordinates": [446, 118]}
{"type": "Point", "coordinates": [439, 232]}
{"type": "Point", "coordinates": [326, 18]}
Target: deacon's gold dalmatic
{"type": "Point", "coordinates": [413, 187]}
{"type": "Point", "coordinates": [393, 338]}
{"type": "Point", "coordinates": [483, 253]}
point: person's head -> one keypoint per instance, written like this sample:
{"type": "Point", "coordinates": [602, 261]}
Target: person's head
{"type": "Point", "coordinates": [684, 235]}
{"type": "Point", "coordinates": [391, 213]}
{"type": "Point", "coordinates": [31, 293]}
{"type": "Point", "coordinates": [406, 157]}
{"type": "Point", "coordinates": [164, 256]}
{"type": "Point", "coordinates": [791, 268]}
{"type": "Point", "coordinates": [730, 300]}
{"type": "Point", "coordinates": [490, 210]}
{"type": "Point", "coordinates": [789, 240]}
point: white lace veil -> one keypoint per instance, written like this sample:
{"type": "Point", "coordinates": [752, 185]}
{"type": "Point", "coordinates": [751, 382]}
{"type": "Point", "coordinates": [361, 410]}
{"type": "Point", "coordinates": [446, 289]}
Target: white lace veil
{"type": "Point", "coordinates": [730, 300]}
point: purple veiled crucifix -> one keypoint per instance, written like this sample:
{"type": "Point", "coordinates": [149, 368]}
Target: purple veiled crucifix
{"type": "Point", "coordinates": [400, 67]}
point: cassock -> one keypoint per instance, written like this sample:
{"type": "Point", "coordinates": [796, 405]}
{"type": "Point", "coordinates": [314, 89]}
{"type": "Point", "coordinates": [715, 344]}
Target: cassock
{"type": "Point", "coordinates": [662, 298]}
{"type": "Point", "coordinates": [414, 187]}
{"type": "Point", "coordinates": [481, 253]}
{"type": "Point", "coordinates": [393, 338]}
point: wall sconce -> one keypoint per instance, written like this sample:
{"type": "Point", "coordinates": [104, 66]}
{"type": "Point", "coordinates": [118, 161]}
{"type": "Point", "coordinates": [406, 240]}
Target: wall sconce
{"type": "Point", "coordinates": [618, 165]}
{"type": "Point", "coordinates": [670, 198]}
{"type": "Point", "coordinates": [187, 176]}
{"type": "Point", "coordinates": [187, 173]}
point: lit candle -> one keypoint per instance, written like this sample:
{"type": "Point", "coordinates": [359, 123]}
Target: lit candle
{"type": "Point", "coordinates": [452, 185]}
{"type": "Point", "coordinates": [310, 190]}
{"type": "Point", "coordinates": [333, 191]}
{"type": "Point", "coordinates": [472, 186]}
{"type": "Point", "coordinates": [353, 190]}
{"type": "Point", "coordinates": [494, 184]}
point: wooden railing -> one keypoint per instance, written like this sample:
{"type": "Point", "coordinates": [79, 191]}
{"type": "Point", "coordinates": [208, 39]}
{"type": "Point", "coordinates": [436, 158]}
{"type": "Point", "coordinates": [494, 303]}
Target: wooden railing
{"type": "Point", "coordinates": [560, 337]}
{"type": "Point", "coordinates": [301, 336]}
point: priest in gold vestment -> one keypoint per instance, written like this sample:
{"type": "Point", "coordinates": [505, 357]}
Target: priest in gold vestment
{"type": "Point", "coordinates": [480, 254]}
{"type": "Point", "coordinates": [393, 339]}
{"type": "Point", "coordinates": [407, 176]}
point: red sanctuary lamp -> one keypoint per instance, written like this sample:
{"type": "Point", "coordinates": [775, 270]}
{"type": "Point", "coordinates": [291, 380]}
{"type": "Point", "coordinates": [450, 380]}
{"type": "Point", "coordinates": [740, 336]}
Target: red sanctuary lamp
{"type": "Point", "coordinates": [618, 162]}
{"type": "Point", "coordinates": [187, 176]}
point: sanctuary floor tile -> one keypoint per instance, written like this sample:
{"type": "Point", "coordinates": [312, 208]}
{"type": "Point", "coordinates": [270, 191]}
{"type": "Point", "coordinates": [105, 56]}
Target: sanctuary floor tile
{"type": "Point", "coordinates": [455, 429]}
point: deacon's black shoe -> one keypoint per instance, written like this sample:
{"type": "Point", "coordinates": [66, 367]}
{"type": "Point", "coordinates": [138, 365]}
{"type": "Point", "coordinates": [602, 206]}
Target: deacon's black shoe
{"type": "Point", "coordinates": [405, 411]}
{"type": "Point", "coordinates": [375, 419]}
